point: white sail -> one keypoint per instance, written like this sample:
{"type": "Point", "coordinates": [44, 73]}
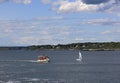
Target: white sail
{"type": "Point", "coordinates": [80, 57]}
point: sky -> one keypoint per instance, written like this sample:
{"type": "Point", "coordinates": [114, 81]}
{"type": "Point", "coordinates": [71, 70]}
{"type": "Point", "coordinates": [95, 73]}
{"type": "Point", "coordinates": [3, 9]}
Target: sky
{"type": "Point", "coordinates": [43, 22]}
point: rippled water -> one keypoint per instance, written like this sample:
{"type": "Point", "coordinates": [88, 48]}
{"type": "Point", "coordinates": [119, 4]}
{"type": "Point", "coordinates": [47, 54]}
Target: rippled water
{"type": "Point", "coordinates": [20, 66]}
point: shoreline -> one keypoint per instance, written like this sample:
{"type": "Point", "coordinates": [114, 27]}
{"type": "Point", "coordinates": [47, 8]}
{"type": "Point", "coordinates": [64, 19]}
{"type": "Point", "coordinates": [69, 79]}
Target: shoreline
{"type": "Point", "coordinates": [88, 46]}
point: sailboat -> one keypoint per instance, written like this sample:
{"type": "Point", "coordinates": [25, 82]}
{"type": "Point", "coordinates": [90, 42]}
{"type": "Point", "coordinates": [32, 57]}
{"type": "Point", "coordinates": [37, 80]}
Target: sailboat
{"type": "Point", "coordinates": [80, 57]}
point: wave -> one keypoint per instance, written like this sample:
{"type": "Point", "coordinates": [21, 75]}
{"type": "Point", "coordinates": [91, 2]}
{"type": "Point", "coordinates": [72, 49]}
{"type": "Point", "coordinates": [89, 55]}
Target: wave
{"type": "Point", "coordinates": [32, 80]}
{"type": "Point", "coordinates": [52, 63]}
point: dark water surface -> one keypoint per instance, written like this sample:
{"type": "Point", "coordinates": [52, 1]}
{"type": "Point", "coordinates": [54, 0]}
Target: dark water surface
{"type": "Point", "coordinates": [20, 66]}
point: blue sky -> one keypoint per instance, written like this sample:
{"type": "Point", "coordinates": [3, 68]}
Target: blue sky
{"type": "Point", "coordinates": [41, 22]}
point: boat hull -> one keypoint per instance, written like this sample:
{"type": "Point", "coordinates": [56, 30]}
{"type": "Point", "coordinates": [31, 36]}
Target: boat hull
{"type": "Point", "coordinates": [78, 59]}
{"type": "Point", "coordinates": [43, 59]}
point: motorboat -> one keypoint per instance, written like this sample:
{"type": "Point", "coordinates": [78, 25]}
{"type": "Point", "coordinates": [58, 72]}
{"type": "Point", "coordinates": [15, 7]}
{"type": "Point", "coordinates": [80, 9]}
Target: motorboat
{"type": "Point", "coordinates": [43, 59]}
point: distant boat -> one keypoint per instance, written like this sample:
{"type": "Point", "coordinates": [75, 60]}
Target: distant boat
{"type": "Point", "coordinates": [43, 59]}
{"type": "Point", "coordinates": [80, 57]}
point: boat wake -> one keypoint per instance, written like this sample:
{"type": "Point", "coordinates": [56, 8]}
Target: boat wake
{"type": "Point", "coordinates": [18, 61]}
{"type": "Point", "coordinates": [35, 61]}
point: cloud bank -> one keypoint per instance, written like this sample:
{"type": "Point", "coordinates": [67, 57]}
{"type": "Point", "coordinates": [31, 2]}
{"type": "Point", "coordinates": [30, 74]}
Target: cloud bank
{"type": "Point", "coordinates": [57, 30]}
{"type": "Point", "coordinates": [76, 6]}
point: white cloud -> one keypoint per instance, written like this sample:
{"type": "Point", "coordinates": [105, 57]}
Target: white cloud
{"type": "Point", "coordinates": [79, 39]}
{"type": "Point", "coordinates": [18, 1]}
{"type": "Point", "coordinates": [111, 32]}
{"type": "Point", "coordinates": [32, 32]}
{"type": "Point", "coordinates": [102, 21]}
{"type": "Point", "coordinates": [33, 40]}
{"type": "Point", "coordinates": [46, 1]}
{"type": "Point", "coordinates": [76, 6]}
{"type": "Point", "coordinates": [1, 1]}
{"type": "Point", "coordinates": [114, 9]}
{"type": "Point", "coordinates": [50, 18]}
{"type": "Point", "coordinates": [61, 31]}
{"type": "Point", "coordinates": [26, 40]}
{"type": "Point", "coordinates": [107, 32]}
{"type": "Point", "coordinates": [22, 1]}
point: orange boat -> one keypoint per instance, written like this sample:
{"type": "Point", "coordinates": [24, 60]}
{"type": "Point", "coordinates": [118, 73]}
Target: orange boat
{"type": "Point", "coordinates": [43, 59]}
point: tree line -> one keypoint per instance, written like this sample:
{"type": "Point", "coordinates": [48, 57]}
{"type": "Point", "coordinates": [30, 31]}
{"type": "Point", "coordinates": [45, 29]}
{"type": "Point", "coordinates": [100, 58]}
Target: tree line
{"type": "Point", "coordinates": [72, 46]}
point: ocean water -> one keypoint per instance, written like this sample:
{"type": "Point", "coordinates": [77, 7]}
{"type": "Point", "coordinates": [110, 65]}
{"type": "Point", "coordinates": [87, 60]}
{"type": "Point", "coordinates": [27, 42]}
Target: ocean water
{"type": "Point", "coordinates": [20, 66]}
